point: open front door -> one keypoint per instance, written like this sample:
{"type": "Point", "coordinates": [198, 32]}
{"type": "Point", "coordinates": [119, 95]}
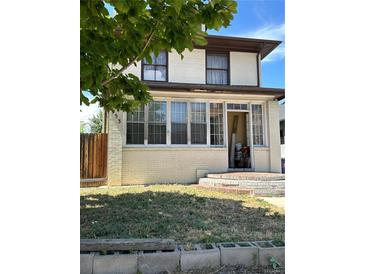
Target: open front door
{"type": "Point", "coordinates": [239, 140]}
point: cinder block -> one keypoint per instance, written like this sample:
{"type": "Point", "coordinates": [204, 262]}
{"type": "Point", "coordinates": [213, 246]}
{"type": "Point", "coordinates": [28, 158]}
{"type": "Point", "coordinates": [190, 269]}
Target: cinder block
{"type": "Point", "coordinates": [86, 263]}
{"type": "Point", "coordinates": [204, 255]}
{"type": "Point", "coordinates": [242, 253]}
{"type": "Point", "coordinates": [152, 262]}
{"type": "Point", "coordinates": [267, 250]}
{"type": "Point", "coordinates": [115, 264]}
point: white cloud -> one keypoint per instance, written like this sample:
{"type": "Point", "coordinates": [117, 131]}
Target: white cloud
{"type": "Point", "coordinates": [88, 111]}
{"type": "Point", "coordinates": [270, 32]}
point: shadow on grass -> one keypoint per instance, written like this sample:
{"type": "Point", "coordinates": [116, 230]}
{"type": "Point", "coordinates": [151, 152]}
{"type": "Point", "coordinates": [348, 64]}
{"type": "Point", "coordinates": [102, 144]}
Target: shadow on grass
{"type": "Point", "coordinates": [179, 216]}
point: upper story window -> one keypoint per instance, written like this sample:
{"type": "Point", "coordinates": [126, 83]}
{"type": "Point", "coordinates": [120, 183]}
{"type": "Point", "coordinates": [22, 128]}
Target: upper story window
{"type": "Point", "coordinates": [217, 68]}
{"type": "Point", "coordinates": [157, 71]}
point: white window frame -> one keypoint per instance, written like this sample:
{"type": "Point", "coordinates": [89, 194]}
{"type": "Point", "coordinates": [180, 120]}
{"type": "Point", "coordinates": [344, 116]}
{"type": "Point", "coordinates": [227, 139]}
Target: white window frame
{"type": "Point", "coordinates": [168, 101]}
{"type": "Point", "coordinates": [264, 122]}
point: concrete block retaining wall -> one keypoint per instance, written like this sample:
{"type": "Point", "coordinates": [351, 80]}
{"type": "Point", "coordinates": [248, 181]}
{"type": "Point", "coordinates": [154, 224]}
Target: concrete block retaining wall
{"type": "Point", "coordinates": [151, 262]}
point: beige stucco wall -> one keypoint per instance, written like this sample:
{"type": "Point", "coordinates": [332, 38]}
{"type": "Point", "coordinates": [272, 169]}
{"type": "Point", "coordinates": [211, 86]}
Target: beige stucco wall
{"type": "Point", "coordinates": [274, 136]}
{"type": "Point", "coordinates": [191, 69]}
{"type": "Point", "coordinates": [243, 68]}
{"type": "Point", "coordinates": [262, 159]}
{"type": "Point", "coordinates": [170, 165]}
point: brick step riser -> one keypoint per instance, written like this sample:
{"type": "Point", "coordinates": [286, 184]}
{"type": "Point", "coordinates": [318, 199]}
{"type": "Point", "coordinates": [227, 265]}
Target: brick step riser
{"type": "Point", "coordinates": [276, 188]}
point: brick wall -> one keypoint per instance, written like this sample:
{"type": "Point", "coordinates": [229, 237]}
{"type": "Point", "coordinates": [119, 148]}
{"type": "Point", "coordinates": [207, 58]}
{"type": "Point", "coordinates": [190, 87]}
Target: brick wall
{"type": "Point", "coordinates": [114, 149]}
{"type": "Point", "coordinates": [170, 165]}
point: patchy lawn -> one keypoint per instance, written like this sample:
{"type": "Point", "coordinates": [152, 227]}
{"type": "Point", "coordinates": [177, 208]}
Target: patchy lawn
{"type": "Point", "coordinates": [187, 214]}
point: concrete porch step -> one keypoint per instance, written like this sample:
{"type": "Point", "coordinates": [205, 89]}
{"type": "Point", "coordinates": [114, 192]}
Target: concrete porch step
{"type": "Point", "coordinates": [251, 176]}
{"type": "Point", "coordinates": [255, 187]}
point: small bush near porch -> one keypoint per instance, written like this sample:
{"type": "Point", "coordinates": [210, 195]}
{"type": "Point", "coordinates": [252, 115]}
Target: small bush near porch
{"type": "Point", "coordinates": [184, 213]}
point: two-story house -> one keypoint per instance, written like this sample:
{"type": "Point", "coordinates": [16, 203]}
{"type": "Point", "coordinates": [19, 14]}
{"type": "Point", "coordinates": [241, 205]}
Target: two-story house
{"type": "Point", "coordinates": [209, 114]}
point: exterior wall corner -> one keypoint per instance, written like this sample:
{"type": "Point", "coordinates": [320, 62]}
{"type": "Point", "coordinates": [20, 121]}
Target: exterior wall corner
{"type": "Point", "coordinates": [115, 149]}
{"type": "Point", "coordinates": [274, 136]}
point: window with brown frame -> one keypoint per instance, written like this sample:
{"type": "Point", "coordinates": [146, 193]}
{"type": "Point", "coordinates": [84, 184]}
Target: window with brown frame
{"type": "Point", "coordinates": [157, 71]}
{"type": "Point", "coordinates": [217, 68]}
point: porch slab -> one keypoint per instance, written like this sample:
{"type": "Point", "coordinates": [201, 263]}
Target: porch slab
{"type": "Point", "coordinates": [250, 176]}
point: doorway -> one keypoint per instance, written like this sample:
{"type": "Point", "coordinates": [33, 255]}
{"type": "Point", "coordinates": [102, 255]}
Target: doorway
{"type": "Point", "coordinates": [239, 154]}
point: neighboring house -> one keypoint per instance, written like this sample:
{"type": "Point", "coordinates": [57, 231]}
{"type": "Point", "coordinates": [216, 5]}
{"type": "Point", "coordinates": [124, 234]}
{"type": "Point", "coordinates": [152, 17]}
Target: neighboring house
{"type": "Point", "coordinates": [282, 133]}
{"type": "Point", "coordinates": [209, 114]}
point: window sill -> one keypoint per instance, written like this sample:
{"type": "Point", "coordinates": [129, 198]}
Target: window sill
{"type": "Point", "coordinates": [261, 147]}
{"type": "Point", "coordinates": [172, 147]}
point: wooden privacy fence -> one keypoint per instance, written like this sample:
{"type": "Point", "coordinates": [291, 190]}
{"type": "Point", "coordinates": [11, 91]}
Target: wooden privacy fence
{"type": "Point", "coordinates": [93, 158]}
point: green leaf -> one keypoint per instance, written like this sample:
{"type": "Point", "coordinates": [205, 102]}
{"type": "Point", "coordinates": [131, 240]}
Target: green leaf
{"type": "Point", "coordinates": [148, 59]}
{"type": "Point", "coordinates": [177, 4]}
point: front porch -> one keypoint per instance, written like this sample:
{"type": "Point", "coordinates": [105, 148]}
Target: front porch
{"type": "Point", "coordinates": [254, 183]}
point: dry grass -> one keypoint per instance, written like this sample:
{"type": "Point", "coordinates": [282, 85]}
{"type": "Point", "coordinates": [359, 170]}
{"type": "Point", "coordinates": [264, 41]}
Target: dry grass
{"type": "Point", "coordinates": [187, 214]}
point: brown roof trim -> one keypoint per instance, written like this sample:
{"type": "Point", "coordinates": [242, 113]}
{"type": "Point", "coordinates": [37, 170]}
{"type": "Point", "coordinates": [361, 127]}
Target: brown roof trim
{"type": "Point", "coordinates": [223, 89]}
{"type": "Point", "coordinates": [229, 43]}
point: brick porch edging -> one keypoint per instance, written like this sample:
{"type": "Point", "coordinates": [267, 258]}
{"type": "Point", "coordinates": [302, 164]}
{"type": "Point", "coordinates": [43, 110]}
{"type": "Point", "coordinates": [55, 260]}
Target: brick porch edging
{"type": "Point", "coordinates": [151, 262]}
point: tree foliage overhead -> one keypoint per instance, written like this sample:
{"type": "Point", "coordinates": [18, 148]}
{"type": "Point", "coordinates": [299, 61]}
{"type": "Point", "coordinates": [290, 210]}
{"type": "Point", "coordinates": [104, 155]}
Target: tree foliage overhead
{"type": "Point", "coordinates": [110, 44]}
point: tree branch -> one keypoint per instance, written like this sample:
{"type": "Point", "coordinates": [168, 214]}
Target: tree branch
{"type": "Point", "coordinates": [149, 39]}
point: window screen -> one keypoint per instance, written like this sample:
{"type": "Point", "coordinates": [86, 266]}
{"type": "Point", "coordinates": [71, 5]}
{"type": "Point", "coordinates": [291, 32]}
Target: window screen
{"type": "Point", "coordinates": [217, 68]}
{"type": "Point", "coordinates": [135, 127]}
{"type": "Point", "coordinates": [157, 123]}
{"type": "Point", "coordinates": [157, 71]}
{"type": "Point", "coordinates": [216, 124]}
{"type": "Point", "coordinates": [257, 125]}
{"type": "Point", "coordinates": [198, 123]}
{"type": "Point", "coordinates": [179, 123]}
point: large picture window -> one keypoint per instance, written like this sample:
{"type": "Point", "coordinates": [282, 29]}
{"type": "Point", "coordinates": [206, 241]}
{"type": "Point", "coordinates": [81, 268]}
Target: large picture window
{"type": "Point", "coordinates": [217, 68]}
{"type": "Point", "coordinates": [157, 71]}
{"type": "Point", "coordinates": [198, 123]}
{"type": "Point", "coordinates": [135, 127]}
{"type": "Point", "coordinates": [216, 124]}
{"type": "Point", "coordinates": [257, 125]}
{"type": "Point", "coordinates": [179, 123]}
{"type": "Point", "coordinates": [157, 122]}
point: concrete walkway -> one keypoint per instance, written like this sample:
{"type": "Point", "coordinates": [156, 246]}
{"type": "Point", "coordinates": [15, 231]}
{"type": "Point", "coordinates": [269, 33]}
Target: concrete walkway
{"type": "Point", "coordinates": [277, 201]}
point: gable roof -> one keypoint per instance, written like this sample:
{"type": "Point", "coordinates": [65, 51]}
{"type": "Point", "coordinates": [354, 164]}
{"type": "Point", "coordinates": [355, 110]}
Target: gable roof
{"type": "Point", "coordinates": [229, 43]}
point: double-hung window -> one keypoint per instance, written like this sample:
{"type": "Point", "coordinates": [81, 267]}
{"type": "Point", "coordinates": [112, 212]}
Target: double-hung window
{"type": "Point", "coordinates": [157, 122]}
{"type": "Point", "coordinates": [179, 123]}
{"type": "Point", "coordinates": [217, 68]}
{"type": "Point", "coordinates": [198, 123]}
{"type": "Point", "coordinates": [216, 124]}
{"type": "Point", "coordinates": [157, 71]}
{"type": "Point", "coordinates": [257, 125]}
{"type": "Point", "coordinates": [135, 127]}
